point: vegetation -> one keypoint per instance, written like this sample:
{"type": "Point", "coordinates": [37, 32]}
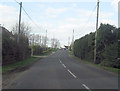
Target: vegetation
{"type": "Point", "coordinates": [37, 49]}
{"type": "Point", "coordinates": [40, 50]}
{"type": "Point", "coordinates": [107, 46]}
{"type": "Point", "coordinates": [48, 52]}
{"type": "Point", "coordinates": [115, 70]}
{"type": "Point", "coordinates": [13, 51]}
{"type": "Point", "coordinates": [18, 64]}
{"type": "Point", "coordinates": [18, 54]}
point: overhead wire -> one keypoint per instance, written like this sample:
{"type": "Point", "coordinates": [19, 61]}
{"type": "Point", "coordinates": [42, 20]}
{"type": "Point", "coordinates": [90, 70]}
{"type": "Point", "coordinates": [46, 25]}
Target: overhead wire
{"type": "Point", "coordinates": [29, 16]}
{"type": "Point", "coordinates": [16, 1]}
{"type": "Point", "coordinates": [40, 27]}
{"type": "Point", "coordinates": [89, 18]}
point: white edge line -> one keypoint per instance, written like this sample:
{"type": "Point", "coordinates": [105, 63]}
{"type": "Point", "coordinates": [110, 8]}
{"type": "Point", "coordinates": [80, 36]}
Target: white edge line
{"type": "Point", "coordinates": [71, 73]}
{"type": "Point", "coordinates": [86, 86]}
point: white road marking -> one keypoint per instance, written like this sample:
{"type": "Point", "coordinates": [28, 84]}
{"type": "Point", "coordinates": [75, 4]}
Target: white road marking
{"type": "Point", "coordinates": [60, 61]}
{"type": "Point", "coordinates": [71, 73]}
{"type": "Point", "coordinates": [86, 86]}
{"type": "Point", "coordinates": [74, 75]}
{"type": "Point", "coordinates": [64, 66]}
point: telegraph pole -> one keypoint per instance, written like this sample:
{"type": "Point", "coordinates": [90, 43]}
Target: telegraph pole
{"type": "Point", "coordinates": [73, 36]}
{"type": "Point", "coordinates": [46, 39]}
{"type": "Point", "coordinates": [73, 39]}
{"type": "Point", "coordinates": [19, 21]}
{"type": "Point", "coordinates": [53, 42]}
{"type": "Point", "coordinates": [68, 42]}
{"type": "Point", "coordinates": [96, 31]}
{"type": "Point", "coordinates": [40, 40]}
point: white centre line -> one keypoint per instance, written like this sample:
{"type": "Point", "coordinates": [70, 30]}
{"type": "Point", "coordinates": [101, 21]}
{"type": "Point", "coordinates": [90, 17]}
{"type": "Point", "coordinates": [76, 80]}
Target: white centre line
{"type": "Point", "coordinates": [64, 66]}
{"type": "Point", "coordinates": [71, 73]}
{"type": "Point", "coordinates": [86, 86]}
{"type": "Point", "coordinates": [60, 61]}
{"type": "Point", "coordinates": [74, 75]}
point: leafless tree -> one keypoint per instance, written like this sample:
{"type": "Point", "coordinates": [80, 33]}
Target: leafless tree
{"type": "Point", "coordinates": [55, 43]}
{"type": "Point", "coordinates": [24, 29]}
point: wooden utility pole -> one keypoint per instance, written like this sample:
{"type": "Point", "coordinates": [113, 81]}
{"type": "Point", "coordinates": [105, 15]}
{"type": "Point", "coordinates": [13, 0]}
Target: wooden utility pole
{"type": "Point", "coordinates": [73, 39]}
{"type": "Point", "coordinates": [46, 39]}
{"type": "Point", "coordinates": [68, 42]}
{"type": "Point", "coordinates": [40, 39]}
{"type": "Point", "coordinates": [73, 36]}
{"type": "Point", "coordinates": [19, 21]}
{"type": "Point", "coordinates": [96, 31]}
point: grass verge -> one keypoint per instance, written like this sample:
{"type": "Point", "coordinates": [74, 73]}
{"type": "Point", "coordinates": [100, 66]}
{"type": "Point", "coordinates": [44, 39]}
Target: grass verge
{"type": "Point", "coordinates": [48, 52]}
{"type": "Point", "coordinates": [70, 52]}
{"type": "Point", "coordinates": [114, 70]}
{"type": "Point", "coordinates": [24, 63]}
{"type": "Point", "coordinates": [19, 64]}
{"type": "Point", "coordinates": [0, 69]}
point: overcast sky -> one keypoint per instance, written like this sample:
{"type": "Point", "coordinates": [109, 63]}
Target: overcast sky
{"type": "Point", "coordinates": [60, 17]}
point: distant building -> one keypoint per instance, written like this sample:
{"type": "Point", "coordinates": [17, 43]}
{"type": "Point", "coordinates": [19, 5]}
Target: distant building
{"type": "Point", "coordinates": [119, 14]}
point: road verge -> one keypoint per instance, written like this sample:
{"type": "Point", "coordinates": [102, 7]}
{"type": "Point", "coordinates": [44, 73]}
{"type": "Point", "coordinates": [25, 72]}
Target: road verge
{"type": "Point", "coordinates": [114, 70]}
{"type": "Point", "coordinates": [19, 65]}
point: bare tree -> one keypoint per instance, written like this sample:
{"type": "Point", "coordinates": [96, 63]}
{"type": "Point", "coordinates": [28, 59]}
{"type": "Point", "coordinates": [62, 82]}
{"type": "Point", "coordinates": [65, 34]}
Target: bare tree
{"type": "Point", "coordinates": [55, 43]}
{"type": "Point", "coordinates": [24, 29]}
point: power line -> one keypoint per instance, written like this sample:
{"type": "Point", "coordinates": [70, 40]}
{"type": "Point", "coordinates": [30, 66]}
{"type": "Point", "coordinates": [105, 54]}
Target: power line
{"type": "Point", "coordinates": [16, 1]}
{"type": "Point", "coordinates": [28, 15]}
{"type": "Point", "coordinates": [30, 18]}
{"type": "Point", "coordinates": [89, 17]}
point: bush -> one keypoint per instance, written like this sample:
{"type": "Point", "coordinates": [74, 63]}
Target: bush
{"type": "Point", "coordinates": [37, 50]}
{"type": "Point", "coordinates": [107, 46]}
{"type": "Point", "coordinates": [11, 50]}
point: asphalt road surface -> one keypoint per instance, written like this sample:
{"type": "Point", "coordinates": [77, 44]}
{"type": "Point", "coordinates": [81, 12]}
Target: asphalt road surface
{"type": "Point", "coordinates": [61, 71]}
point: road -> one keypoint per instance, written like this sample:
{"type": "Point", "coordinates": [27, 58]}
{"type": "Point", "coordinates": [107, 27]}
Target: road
{"type": "Point", "coordinates": [61, 71]}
